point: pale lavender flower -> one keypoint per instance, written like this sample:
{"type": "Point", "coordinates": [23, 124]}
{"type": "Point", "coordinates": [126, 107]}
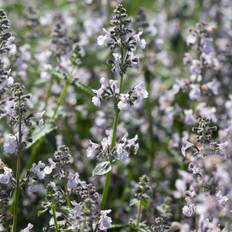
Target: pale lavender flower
{"type": "Point", "coordinates": [92, 150]}
{"type": "Point", "coordinates": [6, 176]}
{"type": "Point", "coordinates": [195, 92]}
{"type": "Point", "coordinates": [10, 144]}
{"type": "Point", "coordinates": [189, 117]}
{"type": "Point", "coordinates": [105, 221]}
{"type": "Point", "coordinates": [105, 39]}
{"type": "Point", "coordinates": [73, 180]}
{"type": "Point", "coordinates": [188, 210]}
{"type": "Point", "coordinates": [140, 42]}
{"type": "Point", "coordinates": [38, 170]}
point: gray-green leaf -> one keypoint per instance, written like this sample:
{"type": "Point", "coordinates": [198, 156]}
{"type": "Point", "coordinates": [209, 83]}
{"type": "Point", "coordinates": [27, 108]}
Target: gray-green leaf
{"type": "Point", "coordinates": [102, 168]}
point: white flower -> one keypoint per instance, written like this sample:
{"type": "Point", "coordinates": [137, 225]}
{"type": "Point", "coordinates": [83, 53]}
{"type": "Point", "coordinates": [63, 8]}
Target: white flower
{"type": "Point", "coordinates": [122, 152]}
{"type": "Point", "coordinates": [114, 86]}
{"type": "Point", "coordinates": [96, 101]}
{"type": "Point", "coordinates": [10, 81]}
{"type": "Point", "coordinates": [103, 40]}
{"type": "Point", "coordinates": [133, 59]}
{"type": "Point", "coordinates": [105, 221]}
{"type": "Point", "coordinates": [28, 228]}
{"type": "Point", "coordinates": [6, 176]}
{"type": "Point", "coordinates": [106, 142]}
{"type": "Point", "coordinates": [92, 150]}
{"type": "Point", "coordinates": [140, 91]}
{"type": "Point", "coordinates": [124, 104]}
{"type": "Point", "coordinates": [107, 90]}
{"type": "Point", "coordinates": [10, 144]}
{"type": "Point", "coordinates": [188, 210]}
{"type": "Point", "coordinates": [48, 169]}
{"type": "Point", "coordinates": [191, 39]}
{"type": "Point", "coordinates": [140, 42]}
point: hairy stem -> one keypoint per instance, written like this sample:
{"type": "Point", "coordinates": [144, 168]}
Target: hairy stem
{"type": "Point", "coordinates": [139, 214]}
{"type": "Point", "coordinates": [53, 207]}
{"type": "Point", "coordinates": [18, 167]}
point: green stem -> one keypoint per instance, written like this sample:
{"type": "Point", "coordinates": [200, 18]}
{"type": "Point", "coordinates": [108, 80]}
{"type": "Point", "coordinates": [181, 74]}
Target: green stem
{"type": "Point", "coordinates": [68, 201]}
{"type": "Point", "coordinates": [48, 93]}
{"type": "Point", "coordinates": [84, 225]}
{"type": "Point", "coordinates": [105, 190]}
{"type": "Point", "coordinates": [139, 214]}
{"type": "Point", "coordinates": [18, 167]}
{"type": "Point", "coordinates": [150, 120]}
{"type": "Point", "coordinates": [61, 98]}
{"type": "Point", "coordinates": [113, 143]}
{"type": "Point", "coordinates": [53, 207]}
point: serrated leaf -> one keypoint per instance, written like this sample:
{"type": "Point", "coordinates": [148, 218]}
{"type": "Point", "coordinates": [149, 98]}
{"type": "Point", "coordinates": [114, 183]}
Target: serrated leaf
{"type": "Point", "coordinates": [102, 168]}
{"type": "Point", "coordinates": [40, 133]}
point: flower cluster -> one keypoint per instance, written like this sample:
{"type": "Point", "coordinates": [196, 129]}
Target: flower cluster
{"type": "Point", "coordinates": [121, 152]}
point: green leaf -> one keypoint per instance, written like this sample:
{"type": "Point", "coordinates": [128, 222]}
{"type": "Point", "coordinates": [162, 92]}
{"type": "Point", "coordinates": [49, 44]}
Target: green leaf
{"type": "Point", "coordinates": [40, 133]}
{"type": "Point", "coordinates": [121, 226]}
{"type": "Point", "coordinates": [57, 75]}
{"type": "Point", "coordinates": [102, 168]}
{"type": "Point", "coordinates": [134, 201]}
{"type": "Point", "coordinates": [145, 203]}
{"type": "Point", "coordinates": [84, 88]}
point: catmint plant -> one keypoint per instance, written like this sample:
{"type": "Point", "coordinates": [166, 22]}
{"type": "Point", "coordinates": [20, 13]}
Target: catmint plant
{"type": "Point", "coordinates": [123, 42]}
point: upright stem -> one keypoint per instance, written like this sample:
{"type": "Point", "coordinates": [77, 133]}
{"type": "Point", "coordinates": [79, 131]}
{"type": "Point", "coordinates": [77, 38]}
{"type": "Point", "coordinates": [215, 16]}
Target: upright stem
{"type": "Point", "coordinates": [139, 214]}
{"type": "Point", "coordinates": [150, 120]}
{"type": "Point", "coordinates": [18, 167]}
{"type": "Point", "coordinates": [84, 225]}
{"type": "Point", "coordinates": [68, 201]}
{"type": "Point", "coordinates": [61, 98]}
{"type": "Point", "coordinates": [54, 217]}
{"type": "Point", "coordinates": [114, 136]}
{"type": "Point", "coordinates": [48, 93]}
